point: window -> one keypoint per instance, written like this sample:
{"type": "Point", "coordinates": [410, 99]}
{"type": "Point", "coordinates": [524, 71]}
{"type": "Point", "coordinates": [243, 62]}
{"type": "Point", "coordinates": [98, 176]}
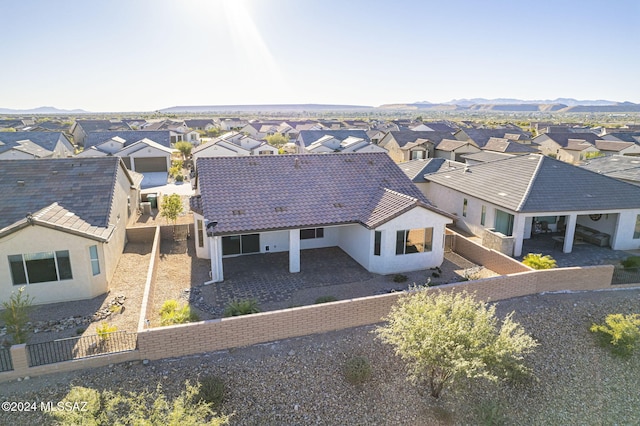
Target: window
{"type": "Point", "coordinates": [308, 234]}
{"type": "Point", "coordinates": [464, 207]}
{"type": "Point", "coordinates": [200, 233]}
{"type": "Point", "coordinates": [377, 240]}
{"type": "Point", "coordinates": [95, 262]}
{"type": "Point", "coordinates": [418, 155]}
{"type": "Point", "coordinates": [414, 240]}
{"type": "Point", "coordinates": [40, 267]}
{"type": "Point", "coordinates": [265, 152]}
{"type": "Point", "coordinates": [483, 215]}
{"type": "Point", "coordinates": [241, 244]}
{"type": "Point", "coordinates": [636, 232]}
{"type": "Point", "coordinates": [504, 223]}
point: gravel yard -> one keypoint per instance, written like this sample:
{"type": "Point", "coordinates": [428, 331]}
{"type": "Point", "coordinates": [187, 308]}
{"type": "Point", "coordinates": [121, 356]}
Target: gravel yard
{"type": "Point", "coordinates": [74, 317]}
{"type": "Point", "coordinates": [299, 381]}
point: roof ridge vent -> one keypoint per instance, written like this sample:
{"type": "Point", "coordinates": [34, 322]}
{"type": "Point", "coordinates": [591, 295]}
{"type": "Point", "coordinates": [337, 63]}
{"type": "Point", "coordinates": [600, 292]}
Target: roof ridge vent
{"type": "Point", "coordinates": [20, 183]}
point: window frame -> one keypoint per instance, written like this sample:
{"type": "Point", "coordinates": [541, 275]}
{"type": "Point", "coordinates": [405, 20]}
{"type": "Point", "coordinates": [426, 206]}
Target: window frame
{"type": "Point", "coordinates": [465, 205]}
{"type": "Point", "coordinates": [61, 268]}
{"type": "Point", "coordinates": [377, 243]}
{"type": "Point", "coordinates": [483, 215]}
{"type": "Point", "coordinates": [402, 241]}
{"type": "Point", "coordinates": [95, 260]}
{"type": "Point", "coordinates": [311, 233]}
{"type": "Point", "coordinates": [636, 231]}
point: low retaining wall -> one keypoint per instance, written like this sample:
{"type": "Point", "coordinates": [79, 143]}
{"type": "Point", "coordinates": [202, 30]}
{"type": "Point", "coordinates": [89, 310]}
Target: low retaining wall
{"type": "Point", "coordinates": [142, 234]}
{"type": "Point", "coordinates": [152, 272]}
{"type": "Point", "coordinates": [490, 259]}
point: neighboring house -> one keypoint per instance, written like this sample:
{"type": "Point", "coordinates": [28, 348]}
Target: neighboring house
{"type": "Point", "coordinates": [139, 153]}
{"type": "Point", "coordinates": [307, 137]}
{"type": "Point", "coordinates": [62, 226]}
{"type": "Point", "coordinates": [453, 150]}
{"type": "Point", "coordinates": [26, 145]}
{"type": "Point", "coordinates": [500, 200]}
{"type": "Point", "coordinates": [178, 131]}
{"type": "Point", "coordinates": [508, 146]}
{"type": "Point", "coordinates": [633, 137]}
{"type": "Point", "coordinates": [577, 150]}
{"type": "Point", "coordinates": [231, 123]}
{"type": "Point", "coordinates": [553, 143]}
{"type": "Point", "coordinates": [204, 124]}
{"type": "Point", "coordinates": [362, 203]}
{"type": "Point", "coordinates": [81, 128]}
{"type": "Point", "coordinates": [162, 137]}
{"type": "Point", "coordinates": [330, 143]}
{"type": "Point", "coordinates": [405, 145]}
{"type": "Point", "coordinates": [480, 137]}
{"type": "Point", "coordinates": [232, 144]}
{"type": "Point", "coordinates": [608, 148]}
{"type": "Point", "coordinates": [624, 168]}
{"type": "Point", "coordinates": [433, 127]}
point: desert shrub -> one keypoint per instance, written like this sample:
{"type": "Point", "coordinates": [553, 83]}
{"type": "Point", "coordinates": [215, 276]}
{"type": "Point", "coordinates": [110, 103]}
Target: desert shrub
{"type": "Point", "coordinates": [490, 413]}
{"type": "Point", "coordinates": [621, 332]}
{"type": "Point", "coordinates": [80, 330]}
{"type": "Point", "coordinates": [172, 313]}
{"type": "Point", "coordinates": [538, 261]}
{"type": "Point", "coordinates": [104, 331]}
{"type": "Point", "coordinates": [241, 307]}
{"type": "Point", "coordinates": [174, 171]}
{"type": "Point", "coordinates": [213, 390]}
{"type": "Point", "coordinates": [179, 178]}
{"type": "Point", "coordinates": [631, 262]}
{"type": "Point", "coordinates": [399, 278]}
{"type": "Point", "coordinates": [145, 408]}
{"type": "Point", "coordinates": [325, 299]}
{"type": "Point", "coordinates": [357, 370]}
{"type": "Point", "coordinates": [15, 315]}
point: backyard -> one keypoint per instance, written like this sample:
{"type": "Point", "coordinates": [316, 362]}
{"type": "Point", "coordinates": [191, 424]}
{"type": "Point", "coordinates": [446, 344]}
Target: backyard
{"type": "Point", "coordinates": [300, 381]}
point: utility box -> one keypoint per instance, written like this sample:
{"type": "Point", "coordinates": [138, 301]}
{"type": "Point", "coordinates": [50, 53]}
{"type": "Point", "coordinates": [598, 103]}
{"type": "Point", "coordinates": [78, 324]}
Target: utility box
{"type": "Point", "coordinates": [153, 200]}
{"type": "Point", "coordinates": [146, 207]}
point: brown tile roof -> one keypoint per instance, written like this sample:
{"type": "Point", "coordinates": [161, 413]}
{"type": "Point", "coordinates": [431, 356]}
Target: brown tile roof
{"type": "Point", "coordinates": [250, 194]}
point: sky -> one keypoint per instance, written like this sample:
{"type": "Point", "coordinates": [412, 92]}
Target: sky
{"type": "Point", "coordinates": [145, 55]}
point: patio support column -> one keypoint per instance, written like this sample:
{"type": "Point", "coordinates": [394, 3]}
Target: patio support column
{"type": "Point", "coordinates": [569, 233]}
{"type": "Point", "coordinates": [518, 234]}
{"type": "Point", "coordinates": [133, 163]}
{"type": "Point", "coordinates": [294, 250]}
{"type": "Point", "coordinates": [215, 251]}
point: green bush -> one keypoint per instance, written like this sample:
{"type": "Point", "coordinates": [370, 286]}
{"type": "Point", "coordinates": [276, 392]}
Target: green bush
{"type": "Point", "coordinates": [622, 332]}
{"type": "Point", "coordinates": [241, 307]}
{"type": "Point", "coordinates": [179, 178]}
{"type": "Point", "coordinates": [399, 278]}
{"type": "Point", "coordinates": [357, 370]}
{"type": "Point", "coordinates": [146, 408]}
{"type": "Point", "coordinates": [213, 390]}
{"type": "Point", "coordinates": [631, 262]}
{"type": "Point", "coordinates": [325, 299]}
{"type": "Point", "coordinates": [538, 261]}
{"type": "Point", "coordinates": [104, 331]}
{"type": "Point", "coordinates": [171, 313]}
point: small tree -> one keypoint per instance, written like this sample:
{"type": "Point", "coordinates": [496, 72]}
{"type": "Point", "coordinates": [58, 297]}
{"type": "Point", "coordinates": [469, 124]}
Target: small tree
{"type": "Point", "coordinates": [171, 207]}
{"type": "Point", "coordinates": [16, 315]}
{"type": "Point", "coordinates": [444, 336]}
{"type": "Point", "coordinates": [538, 261]}
{"type": "Point", "coordinates": [184, 148]}
{"type": "Point", "coordinates": [277, 139]}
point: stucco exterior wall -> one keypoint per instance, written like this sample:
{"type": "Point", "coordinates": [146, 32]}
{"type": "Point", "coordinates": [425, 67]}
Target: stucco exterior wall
{"type": "Point", "coordinates": [625, 228]}
{"type": "Point", "coordinates": [36, 239]}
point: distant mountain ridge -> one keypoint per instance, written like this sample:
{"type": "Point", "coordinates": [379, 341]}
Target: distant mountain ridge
{"type": "Point", "coordinates": [252, 108]}
{"type": "Point", "coordinates": [503, 101]}
{"type": "Point", "coordinates": [43, 110]}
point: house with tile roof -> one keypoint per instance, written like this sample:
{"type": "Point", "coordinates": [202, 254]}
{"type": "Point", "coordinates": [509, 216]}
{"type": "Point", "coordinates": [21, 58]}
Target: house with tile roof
{"type": "Point", "coordinates": [569, 147]}
{"type": "Point", "coordinates": [453, 150]}
{"type": "Point", "coordinates": [63, 226]}
{"type": "Point", "coordinates": [405, 145]}
{"type": "Point", "coordinates": [509, 146]}
{"type": "Point", "coordinates": [29, 145]}
{"type": "Point", "coordinates": [139, 152]}
{"type": "Point", "coordinates": [622, 167]}
{"type": "Point", "coordinates": [308, 137]}
{"type": "Point", "coordinates": [480, 137]}
{"type": "Point", "coordinates": [501, 200]}
{"type": "Point", "coordinates": [232, 144]}
{"type": "Point", "coordinates": [81, 128]}
{"type": "Point", "coordinates": [362, 203]}
{"type": "Point", "coordinates": [610, 147]}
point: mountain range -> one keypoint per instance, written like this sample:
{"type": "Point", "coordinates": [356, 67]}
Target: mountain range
{"type": "Point", "coordinates": [475, 104]}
